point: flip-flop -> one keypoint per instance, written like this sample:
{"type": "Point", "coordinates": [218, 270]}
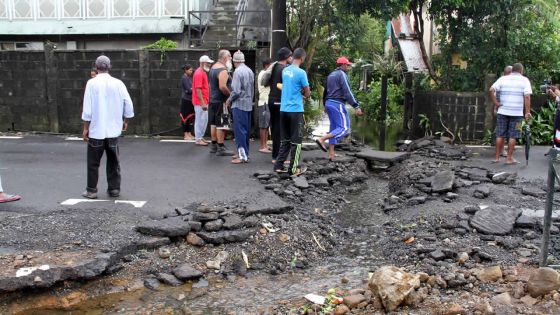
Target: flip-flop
{"type": "Point", "coordinates": [203, 144]}
{"type": "Point", "coordinates": [238, 161]}
{"type": "Point", "coordinates": [321, 146]}
{"type": "Point", "coordinates": [265, 151]}
{"type": "Point", "coordinates": [10, 198]}
{"type": "Point", "coordinates": [512, 163]}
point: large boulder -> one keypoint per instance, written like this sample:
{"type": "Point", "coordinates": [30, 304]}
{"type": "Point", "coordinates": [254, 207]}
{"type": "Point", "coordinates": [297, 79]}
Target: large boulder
{"type": "Point", "coordinates": [392, 286]}
{"type": "Point", "coordinates": [542, 281]}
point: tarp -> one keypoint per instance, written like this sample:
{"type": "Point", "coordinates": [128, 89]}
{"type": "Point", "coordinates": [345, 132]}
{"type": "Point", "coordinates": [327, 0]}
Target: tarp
{"type": "Point", "coordinates": [92, 27]}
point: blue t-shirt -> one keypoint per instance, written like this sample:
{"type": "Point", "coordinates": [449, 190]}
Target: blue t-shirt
{"type": "Point", "coordinates": [293, 80]}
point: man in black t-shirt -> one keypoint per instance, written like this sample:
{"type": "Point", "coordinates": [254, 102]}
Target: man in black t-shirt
{"type": "Point", "coordinates": [219, 81]}
{"type": "Point", "coordinates": [275, 83]}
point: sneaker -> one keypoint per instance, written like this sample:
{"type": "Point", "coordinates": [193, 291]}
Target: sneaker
{"type": "Point", "coordinates": [213, 148]}
{"type": "Point", "coordinates": [89, 195]}
{"type": "Point", "coordinates": [299, 171]}
{"type": "Point", "coordinates": [223, 151]}
{"type": "Point", "coordinates": [114, 192]}
{"type": "Point", "coordinates": [281, 170]}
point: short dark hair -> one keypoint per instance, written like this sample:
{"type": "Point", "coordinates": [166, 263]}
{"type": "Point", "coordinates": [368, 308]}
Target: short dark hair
{"type": "Point", "coordinates": [284, 53]}
{"type": "Point", "coordinates": [187, 67]}
{"type": "Point", "coordinates": [517, 67]}
{"type": "Point", "coordinates": [299, 53]}
{"type": "Point", "coordinates": [266, 62]}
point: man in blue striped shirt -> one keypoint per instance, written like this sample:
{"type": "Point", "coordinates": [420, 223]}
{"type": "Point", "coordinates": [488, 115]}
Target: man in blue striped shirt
{"type": "Point", "coordinates": [515, 96]}
{"type": "Point", "coordinates": [337, 93]}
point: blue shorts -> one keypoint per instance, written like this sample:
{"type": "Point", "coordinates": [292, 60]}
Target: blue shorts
{"type": "Point", "coordinates": [508, 126]}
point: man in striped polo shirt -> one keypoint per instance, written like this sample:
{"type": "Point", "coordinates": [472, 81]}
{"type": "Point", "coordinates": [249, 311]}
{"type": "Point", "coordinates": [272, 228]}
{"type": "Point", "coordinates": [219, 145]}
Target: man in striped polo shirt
{"type": "Point", "coordinates": [515, 97]}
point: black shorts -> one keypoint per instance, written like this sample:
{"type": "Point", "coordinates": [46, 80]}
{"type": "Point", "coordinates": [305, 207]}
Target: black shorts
{"type": "Point", "coordinates": [215, 112]}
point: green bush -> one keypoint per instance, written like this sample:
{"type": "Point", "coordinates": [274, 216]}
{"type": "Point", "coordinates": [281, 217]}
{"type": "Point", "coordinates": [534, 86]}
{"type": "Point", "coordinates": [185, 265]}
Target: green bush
{"type": "Point", "coordinates": [542, 125]}
{"type": "Point", "coordinates": [370, 100]}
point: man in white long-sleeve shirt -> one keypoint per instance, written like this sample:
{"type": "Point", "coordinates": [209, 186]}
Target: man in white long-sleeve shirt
{"type": "Point", "coordinates": [106, 103]}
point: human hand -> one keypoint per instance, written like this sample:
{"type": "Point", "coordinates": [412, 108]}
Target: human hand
{"type": "Point", "coordinates": [528, 116]}
{"type": "Point", "coordinates": [204, 107]}
{"type": "Point", "coordinates": [85, 135]}
{"type": "Point", "coordinates": [125, 125]}
{"type": "Point", "coordinates": [359, 112]}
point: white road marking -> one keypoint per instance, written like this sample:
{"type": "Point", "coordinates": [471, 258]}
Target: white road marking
{"type": "Point", "coordinates": [177, 140]}
{"type": "Point", "coordinates": [11, 137]}
{"type": "Point", "coordinates": [136, 204]}
{"type": "Point", "coordinates": [74, 139]}
{"type": "Point", "coordinates": [72, 202]}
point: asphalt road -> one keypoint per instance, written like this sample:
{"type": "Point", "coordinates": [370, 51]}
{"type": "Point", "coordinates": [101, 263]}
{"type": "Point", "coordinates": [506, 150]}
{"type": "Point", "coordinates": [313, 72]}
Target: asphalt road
{"type": "Point", "coordinates": [49, 170]}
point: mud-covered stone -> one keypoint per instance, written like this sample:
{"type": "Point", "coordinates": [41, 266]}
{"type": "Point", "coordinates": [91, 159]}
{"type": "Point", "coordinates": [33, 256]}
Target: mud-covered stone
{"type": "Point", "coordinates": [495, 220]}
{"type": "Point", "coordinates": [213, 226]}
{"type": "Point", "coordinates": [482, 192]}
{"type": "Point", "coordinates": [205, 216]}
{"type": "Point", "coordinates": [232, 221]}
{"type": "Point", "coordinates": [301, 182]}
{"type": "Point", "coordinates": [168, 279]}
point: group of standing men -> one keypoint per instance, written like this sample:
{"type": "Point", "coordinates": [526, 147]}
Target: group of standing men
{"type": "Point", "coordinates": [210, 94]}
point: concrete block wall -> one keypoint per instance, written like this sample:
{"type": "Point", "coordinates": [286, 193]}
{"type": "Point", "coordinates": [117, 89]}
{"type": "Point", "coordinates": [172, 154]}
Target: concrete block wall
{"type": "Point", "coordinates": [43, 90]}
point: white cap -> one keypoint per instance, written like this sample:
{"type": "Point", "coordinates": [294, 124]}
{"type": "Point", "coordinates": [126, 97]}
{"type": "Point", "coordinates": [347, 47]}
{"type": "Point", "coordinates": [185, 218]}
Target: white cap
{"type": "Point", "coordinates": [205, 59]}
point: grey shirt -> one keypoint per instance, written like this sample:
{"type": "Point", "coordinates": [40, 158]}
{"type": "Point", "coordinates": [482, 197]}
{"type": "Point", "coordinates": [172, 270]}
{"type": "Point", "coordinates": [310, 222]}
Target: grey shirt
{"type": "Point", "coordinates": [242, 88]}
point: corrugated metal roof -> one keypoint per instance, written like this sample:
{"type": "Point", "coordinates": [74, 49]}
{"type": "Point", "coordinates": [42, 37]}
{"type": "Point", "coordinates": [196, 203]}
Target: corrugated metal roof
{"type": "Point", "coordinates": [409, 44]}
{"type": "Point", "coordinates": [92, 27]}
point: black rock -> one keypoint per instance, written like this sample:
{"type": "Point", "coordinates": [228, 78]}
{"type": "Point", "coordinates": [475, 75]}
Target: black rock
{"type": "Point", "coordinates": [504, 178]}
{"type": "Point", "coordinates": [168, 279]}
{"type": "Point", "coordinates": [495, 220]}
{"type": "Point", "coordinates": [481, 192]}
{"type": "Point", "coordinates": [301, 182]}
{"type": "Point", "coordinates": [205, 216]}
{"type": "Point", "coordinates": [223, 237]}
{"type": "Point", "coordinates": [170, 227]}
{"type": "Point", "coordinates": [533, 191]}
{"type": "Point", "coordinates": [213, 226]}
{"type": "Point", "coordinates": [443, 181]}
{"type": "Point", "coordinates": [526, 221]}
{"type": "Point", "coordinates": [151, 283]}
{"type": "Point", "coordinates": [437, 255]}
{"type": "Point", "coordinates": [471, 209]}
{"type": "Point", "coordinates": [195, 226]}
{"type": "Point", "coordinates": [186, 272]}
{"type": "Point", "coordinates": [233, 221]}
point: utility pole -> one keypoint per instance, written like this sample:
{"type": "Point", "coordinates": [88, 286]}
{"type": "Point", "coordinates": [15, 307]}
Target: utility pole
{"type": "Point", "coordinates": [279, 37]}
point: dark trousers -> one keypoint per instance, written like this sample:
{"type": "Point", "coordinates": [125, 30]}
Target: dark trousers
{"type": "Point", "coordinates": [291, 126]}
{"type": "Point", "coordinates": [95, 151]}
{"type": "Point", "coordinates": [187, 116]}
{"type": "Point", "coordinates": [275, 128]}
{"type": "Point", "coordinates": [242, 130]}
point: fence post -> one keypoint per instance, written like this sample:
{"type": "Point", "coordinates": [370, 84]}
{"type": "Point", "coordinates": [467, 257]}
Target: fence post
{"type": "Point", "coordinates": [489, 106]}
{"type": "Point", "coordinates": [51, 79]}
{"type": "Point", "coordinates": [144, 106]}
{"type": "Point", "coordinates": [552, 154]}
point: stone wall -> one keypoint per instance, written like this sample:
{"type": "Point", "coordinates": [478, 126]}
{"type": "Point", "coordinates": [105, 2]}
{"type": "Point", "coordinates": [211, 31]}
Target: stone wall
{"type": "Point", "coordinates": [472, 112]}
{"type": "Point", "coordinates": [43, 90]}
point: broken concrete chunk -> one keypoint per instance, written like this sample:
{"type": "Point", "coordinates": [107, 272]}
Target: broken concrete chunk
{"type": "Point", "coordinates": [170, 227]}
{"type": "Point", "coordinates": [443, 181]}
{"type": "Point", "coordinates": [497, 220]}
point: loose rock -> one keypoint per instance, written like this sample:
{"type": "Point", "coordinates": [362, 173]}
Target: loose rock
{"type": "Point", "coordinates": [392, 286]}
{"type": "Point", "coordinates": [542, 281]}
{"type": "Point", "coordinates": [490, 274]}
{"type": "Point", "coordinates": [186, 272]}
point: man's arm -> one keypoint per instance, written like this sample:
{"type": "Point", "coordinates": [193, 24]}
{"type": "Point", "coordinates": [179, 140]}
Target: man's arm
{"type": "Point", "coordinates": [492, 94]}
{"type": "Point", "coordinates": [200, 97]}
{"type": "Point", "coordinates": [222, 82]}
{"type": "Point", "coordinates": [235, 88]}
{"type": "Point", "coordinates": [86, 112]}
{"type": "Point", "coordinates": [350, 99]}
{"type": "Point", "coordinates": [527, 103]}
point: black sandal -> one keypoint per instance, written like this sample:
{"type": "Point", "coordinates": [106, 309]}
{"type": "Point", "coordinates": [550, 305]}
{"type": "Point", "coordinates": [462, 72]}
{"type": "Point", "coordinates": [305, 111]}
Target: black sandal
{"type": "Point", "coordinates": [321, 146]}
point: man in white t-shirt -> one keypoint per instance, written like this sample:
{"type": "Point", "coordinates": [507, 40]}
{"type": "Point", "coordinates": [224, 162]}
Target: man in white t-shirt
{"type": "Point", "coordinates": [514, 104]}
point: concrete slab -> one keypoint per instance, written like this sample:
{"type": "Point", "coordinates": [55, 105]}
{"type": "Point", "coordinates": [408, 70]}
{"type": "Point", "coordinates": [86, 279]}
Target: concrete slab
{"type": "Point", "coordinates": [382, 156]}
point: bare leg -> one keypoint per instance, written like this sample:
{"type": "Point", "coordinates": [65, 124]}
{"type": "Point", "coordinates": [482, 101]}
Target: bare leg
{"type": "Point", "coordinates": [499, 148]}
{"type": "Point", "coordinates": [331, 152]}
{"type": "Point", "coordinates": [220, 135]}
{"type": "Point", "coordinates": [213, 133]}
{"type": "Point", "coordinates": [264, 138]}
{"type": "Point", "coordinates": [511, 146]}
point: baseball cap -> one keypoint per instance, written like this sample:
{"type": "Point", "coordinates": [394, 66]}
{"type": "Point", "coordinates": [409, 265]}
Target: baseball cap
{"type": "Point", "coordinates": [205, 59]}
{"type": "Point", "coordinates": [343, 61]}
